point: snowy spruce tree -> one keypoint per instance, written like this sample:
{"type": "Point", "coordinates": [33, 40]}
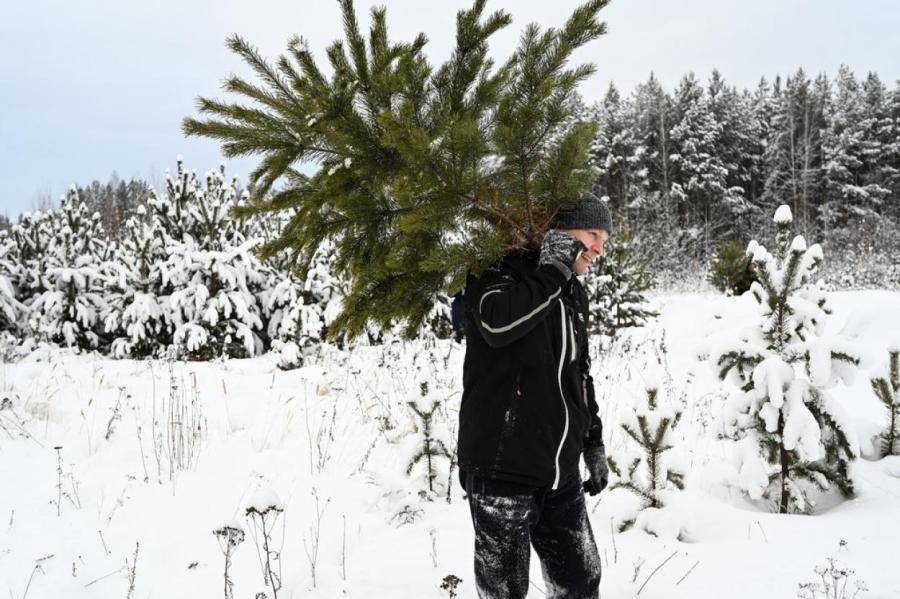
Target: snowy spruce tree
{"type": "Point", "coordinates": [650, 472]}
{"type": "Point", "coordinates": [790, 431]}
{"type": "Point", "coordinates": [210, 270]}
{"type": "Point", "coordinates": [616, 287]}
{"type": "Point", "coordinates": [10, 308]}
{"type": "Point", "coordinates": [31, 236]}
{"type": "Point", "coordinates": [137, 315]}
{"type": "Point", "coordinates": [67, 310]}
{"type": "Point", "coordinates": [430, 449]}
{"type": "Point", "coordinates": [701, 191]}
{"type": "Point", "coordinates": [297, 311]}
{"type": "Point", "coordinates": [613, 150]}
{"type": "Point", "coordinates": [426, 172]}
{"type": "Point", "coordinates": [887, 390]}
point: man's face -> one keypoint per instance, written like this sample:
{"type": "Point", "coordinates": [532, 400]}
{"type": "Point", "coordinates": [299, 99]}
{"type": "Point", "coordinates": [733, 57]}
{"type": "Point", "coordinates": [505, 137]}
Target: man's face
{"type": "Point", "coordinates": [594, 240]}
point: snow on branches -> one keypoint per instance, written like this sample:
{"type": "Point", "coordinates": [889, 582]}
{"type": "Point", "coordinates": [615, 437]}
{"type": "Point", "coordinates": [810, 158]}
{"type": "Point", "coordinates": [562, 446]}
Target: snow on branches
{"type": "Point", "coordinates": [790, 431]}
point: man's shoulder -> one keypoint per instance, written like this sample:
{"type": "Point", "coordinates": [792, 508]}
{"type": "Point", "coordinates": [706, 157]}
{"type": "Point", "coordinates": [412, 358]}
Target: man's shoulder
{"type": "Point", "coordinates": [516, 263]}
{"type": "Point", "coordinates": [521, 261]}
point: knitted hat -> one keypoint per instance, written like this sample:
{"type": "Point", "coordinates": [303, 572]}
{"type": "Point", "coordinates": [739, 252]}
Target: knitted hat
{"type": "Point", "coordinates": [590, 212]}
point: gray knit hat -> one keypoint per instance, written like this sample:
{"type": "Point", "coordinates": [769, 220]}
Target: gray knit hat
{"type": "Point", "coordinates": [590, 212]}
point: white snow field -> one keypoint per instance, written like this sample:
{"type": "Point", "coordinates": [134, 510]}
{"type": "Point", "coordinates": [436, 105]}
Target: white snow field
{"type": "Point", "coordinates": [144, 473]}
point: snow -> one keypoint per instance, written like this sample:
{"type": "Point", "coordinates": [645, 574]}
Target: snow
{"type": "Point", "coordinates": [339, 425]}
{"type": "Point", "coordinates": [783, 214]}
{"type": "Point", "coordinates": [265, 499]}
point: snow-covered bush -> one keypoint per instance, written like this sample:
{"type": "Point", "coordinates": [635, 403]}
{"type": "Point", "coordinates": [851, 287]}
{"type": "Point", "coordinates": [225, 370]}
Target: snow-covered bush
{"type": "Point", "coordinates": [887, 389]}
{"type": "Point", "coordinates": [789, 429]}
{"type": "Point", "coordinates": [649, 472]}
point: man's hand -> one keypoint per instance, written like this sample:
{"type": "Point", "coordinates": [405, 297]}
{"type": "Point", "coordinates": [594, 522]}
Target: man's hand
{"type": "Point", "coordinates": [595, 460]}
{"type": "Point", "coordinates": [561, 250]}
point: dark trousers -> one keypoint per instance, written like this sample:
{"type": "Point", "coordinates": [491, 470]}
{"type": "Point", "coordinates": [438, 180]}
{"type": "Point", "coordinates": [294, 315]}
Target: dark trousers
{"type": "Point", "coordinates": [511, 518]}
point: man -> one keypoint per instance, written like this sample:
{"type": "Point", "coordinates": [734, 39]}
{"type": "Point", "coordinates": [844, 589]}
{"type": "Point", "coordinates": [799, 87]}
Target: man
{"type": "Point", "coordinates": [528, 412]}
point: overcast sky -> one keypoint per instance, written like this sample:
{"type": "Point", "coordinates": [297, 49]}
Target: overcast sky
{"type": "Point", "coordinates": [89, 87]}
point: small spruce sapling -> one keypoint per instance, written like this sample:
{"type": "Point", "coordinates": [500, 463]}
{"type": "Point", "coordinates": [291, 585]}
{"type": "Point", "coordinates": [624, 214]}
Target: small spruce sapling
{"type": "Point", "coordinates": [788, 429]}
{"type": "Point", "coordinates": [617, 286]}
{"type": "Point", "coordinates": [649, 474]}
{"type": "Point", "coordinates": [888, 392]}
{"type": "Point", "coordinates": [431, 448]}
{"type": "Point", "coordinates": [732, 271]}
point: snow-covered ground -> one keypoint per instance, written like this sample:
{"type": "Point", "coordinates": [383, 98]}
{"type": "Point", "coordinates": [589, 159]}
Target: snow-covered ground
{"type": "Point", "coordinates": [114, 474]}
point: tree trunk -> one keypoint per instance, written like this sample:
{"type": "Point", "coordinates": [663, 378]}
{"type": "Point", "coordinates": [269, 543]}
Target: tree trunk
{"type": "Point", "coordinates": [785, 467]}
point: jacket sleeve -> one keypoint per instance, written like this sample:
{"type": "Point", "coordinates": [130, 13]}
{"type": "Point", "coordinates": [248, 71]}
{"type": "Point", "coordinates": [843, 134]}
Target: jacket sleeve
{"type": "Point", "coordinates": [594, 436]}
{"type": "Point", "coordinates": [505, 309]}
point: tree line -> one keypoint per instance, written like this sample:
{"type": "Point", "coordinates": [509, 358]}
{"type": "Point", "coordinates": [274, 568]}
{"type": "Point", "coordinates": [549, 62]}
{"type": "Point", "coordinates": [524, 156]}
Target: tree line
{"type": "Point", "coordinates": [707, 162]}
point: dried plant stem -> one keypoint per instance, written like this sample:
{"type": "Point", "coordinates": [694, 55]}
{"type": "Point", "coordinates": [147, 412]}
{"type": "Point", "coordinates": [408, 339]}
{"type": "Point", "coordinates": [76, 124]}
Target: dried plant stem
{"type": "Point", "coordinates": [312, 550]}
{"type": "Point", "coordinates": [58, 479]}
{"type": "Point", "coordinates": [655, 571]}
{"type": "Point", "coordinates": [688, 572]}
{"type": "Point", "coordinates": [102, 540]}
{"type": "Point", "coordinates": [344, 548]}
{"type": "Point", "coordinates": [132, 570]}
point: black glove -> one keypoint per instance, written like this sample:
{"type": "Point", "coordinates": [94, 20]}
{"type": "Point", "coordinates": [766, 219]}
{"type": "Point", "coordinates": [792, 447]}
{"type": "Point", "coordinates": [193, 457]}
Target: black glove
{"type": "Point", "coordinates": [561, 250]}
{"type": "Point", "coordinates": [595, 460]}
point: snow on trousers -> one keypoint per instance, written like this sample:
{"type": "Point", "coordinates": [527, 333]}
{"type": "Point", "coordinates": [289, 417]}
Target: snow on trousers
{"type": "Point", "coordinates": [510, 518]}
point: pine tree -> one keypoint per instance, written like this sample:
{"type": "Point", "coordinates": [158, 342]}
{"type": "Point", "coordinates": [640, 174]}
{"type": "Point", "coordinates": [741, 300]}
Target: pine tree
{"type": "Point", "coordinates": [10, 308]}
{"type": "Point", "coordinates": [612, 151]}
{"type": "Point", "coordinates": [425, 172]}
{"type": "Point", "coordinates": [849, 189]}
{"type": "Point", "coordinates": [649, 474]}
{"type": "Point", "coordinates": [788, 430]}
{"type": "Point", "coordinates": [888, 392]}
{"type": "Point", "coordinates": [700, 184]}
{"type": "Point", "coordinates": [616, 287]}
{"type": "Point", "coordinates": [891, 156]}
{"type": "Point", "coordinates": [68, 309]}
{"type": "Point", "coordinates": [732, 270]}
{"type": "Point", "coordinates": [737, 148]}
{"type": "Point", "coordinates": [138, 317]}
{"type": "Point", "coordinates": [116, 201]}
{"type": "Point", "coordinates": [879, 133]}
{"type": "Point", "coordinates": [653, 120]}
{"type": "Point", "coordinates": [760, 114]}
{"type": "Point", "coordinates": [431, 448]}
{"type": "Point", "coordinates": [210, 270]}
{"type": "Point", "coordinates": [32, 234]}
{"type": "Point", "coordinates": [296, 311]}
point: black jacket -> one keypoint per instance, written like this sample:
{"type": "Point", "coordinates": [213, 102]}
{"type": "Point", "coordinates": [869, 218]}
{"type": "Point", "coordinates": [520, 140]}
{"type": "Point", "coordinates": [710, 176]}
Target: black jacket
{"type": "Point", "coordinates": [528, 404]}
